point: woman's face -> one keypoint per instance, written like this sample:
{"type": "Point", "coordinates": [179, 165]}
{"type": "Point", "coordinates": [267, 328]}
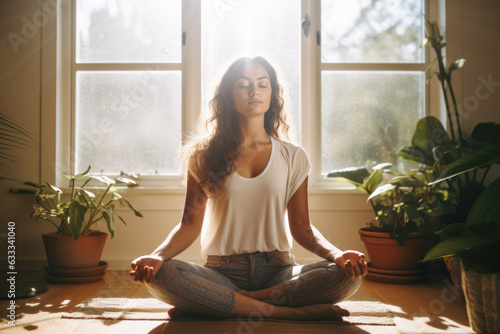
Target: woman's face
{"type": "Point", "coordinates": [252, 90]}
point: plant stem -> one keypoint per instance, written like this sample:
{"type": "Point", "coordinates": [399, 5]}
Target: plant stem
{"type": "Point", "coordinates": [95, 210]}
{"type": "Point", "coordinates": [459, 127]}
{"type": "Point", "coordinates": [442, 79]}
{"type": "Point", "coordinates": [48, 220]}
{"type": "Point", "coordinates": [484, 175]}
{"type": "Point", "coordinates": [373, 207]}
{"type": "Point", "coordinates": [72, 185]}
{"type": "Point", "coordinates": [85, 183]}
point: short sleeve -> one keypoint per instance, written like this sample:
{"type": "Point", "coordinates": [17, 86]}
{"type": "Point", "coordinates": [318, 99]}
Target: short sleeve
{"type": "Point", "coordinates": [299, 170]}
{"type": "Point", "coordinates": [194, 167]}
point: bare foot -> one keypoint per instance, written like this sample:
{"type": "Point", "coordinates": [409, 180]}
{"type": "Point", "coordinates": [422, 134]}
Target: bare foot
{"type": "Point", "coordinates": [321, 312]}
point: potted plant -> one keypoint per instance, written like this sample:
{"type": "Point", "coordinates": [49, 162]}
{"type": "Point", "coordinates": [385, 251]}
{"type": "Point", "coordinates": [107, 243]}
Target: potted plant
{"type": "Point", "coordinates": [404, 206]}
{"type": "Point", "coordinates": [76, 246]}
{"type": "Point", "coordinates": [476, 242]}
{"type": "Point", "coordinates": [433, 147]}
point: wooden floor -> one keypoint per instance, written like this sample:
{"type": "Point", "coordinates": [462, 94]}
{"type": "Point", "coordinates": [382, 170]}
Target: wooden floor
{"type": "Point", "coordinates": [428, 307]}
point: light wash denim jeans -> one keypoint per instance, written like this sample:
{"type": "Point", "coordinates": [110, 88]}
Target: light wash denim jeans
{"type": "Point", "coordinates": [209, 290]}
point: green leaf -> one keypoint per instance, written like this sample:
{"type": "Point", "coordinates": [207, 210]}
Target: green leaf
{"type": "Point", "coordinates": [373, 181]}
{"type": "Point", "coordinates": [417, 155]}
{"type": "Point", "coordinates": [429, 133]}
{"type": "Point", "coordinates": [383, 166]}
{"type": "Point", "coordinates": [76, 215]}
{"type": "Point", "coordinates": [127, 203]}
{"type": "Point", "coordinates": [72, 177]}
{"type": "Point", "coordinates": [107, 213]}
{"type": "Point", "coordinates": [450, 231]}
{"type": "Point", "coordinates": [439, 151]}
{"type": "Point", "coordinates": [404, 181]}
{"type": "Point", "coordinates": [489, 230]}
{"type": "Point", "coordinates": [477, 159]}
{"type": "Point", "coordinates": [89, 195]}
{"type": "Point", "coordinates": [123, 221]}
{"type": "Point", "coordinates": [411, 211]}
{"type": "Point", "coordinates": [486, 208]}
{"type": "Point", "coordinates": [382, 191]}
{"type": "Point", "coordinates": [103, 179]}
{"type": "Point", "coordinates": [449, 157]}
{"type": "Point", "coordinates": [456, 65]}
{"type": "Point", "coordinates": [454, 246]}
{"type": "Point", "coordinates": [83, 174]}
{"type": "Point", "coordinates": [486, 132]}
{"type": "Point", "coordinates": [353, 175]}
{"type": "Point", "coordinates": [116, 196]}
{"type": "Point", "coordinates": [53, 188]}
{"type": "Point", "coordinates": [31, 184]}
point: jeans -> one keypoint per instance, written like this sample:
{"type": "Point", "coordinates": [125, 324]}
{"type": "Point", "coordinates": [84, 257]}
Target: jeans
{"type": "Point", "coordinates": [209, 290]}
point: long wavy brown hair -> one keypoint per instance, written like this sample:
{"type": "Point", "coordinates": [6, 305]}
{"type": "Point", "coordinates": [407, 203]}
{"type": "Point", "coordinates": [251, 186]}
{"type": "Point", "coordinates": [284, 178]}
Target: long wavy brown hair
{"type": "Point", "coordinates": [215, 154]}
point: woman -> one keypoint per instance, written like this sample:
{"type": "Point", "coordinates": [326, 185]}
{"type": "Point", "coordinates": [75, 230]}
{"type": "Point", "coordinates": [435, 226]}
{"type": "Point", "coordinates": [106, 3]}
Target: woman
{"type": "Point", "coordinates": [248, 178]}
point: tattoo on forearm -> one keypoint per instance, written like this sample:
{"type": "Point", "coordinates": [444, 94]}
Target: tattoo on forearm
{"type": "Point", "coordinates": [310, 232]}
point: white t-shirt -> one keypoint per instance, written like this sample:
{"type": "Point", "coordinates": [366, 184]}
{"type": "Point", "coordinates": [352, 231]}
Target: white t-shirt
{"type": "Point", "coordinates": [248, 214]}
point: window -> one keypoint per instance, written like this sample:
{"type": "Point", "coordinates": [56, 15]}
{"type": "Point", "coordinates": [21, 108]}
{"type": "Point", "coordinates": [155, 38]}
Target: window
{"type": "Point", "coordinates": [127, 79]}
{"type": "Point", "coordinates": [250, 34]}
{"type": "Point", "coordinates": [141, 73]}
{"type": "Point", "coordinates": [372, 80]}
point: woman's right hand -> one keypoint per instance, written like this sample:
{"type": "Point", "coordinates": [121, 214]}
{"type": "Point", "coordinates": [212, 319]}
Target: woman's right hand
{"type": "Point", "coordinates": [144, 268]}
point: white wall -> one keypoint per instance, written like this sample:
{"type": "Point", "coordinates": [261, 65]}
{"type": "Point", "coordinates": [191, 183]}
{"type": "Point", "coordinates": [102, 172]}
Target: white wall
{"type": "Point", "coordinates": [473, 30]}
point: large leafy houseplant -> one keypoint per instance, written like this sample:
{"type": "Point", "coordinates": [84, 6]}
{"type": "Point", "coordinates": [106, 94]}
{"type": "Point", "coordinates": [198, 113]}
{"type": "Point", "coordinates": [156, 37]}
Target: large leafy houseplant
{"type": "Point", "coordinates": [403, 203]}
{"type": "Point", "coordinates": [459, 162]}
{"type": "Point", "coordinates": [433, 147]}
{"type": "Point", "coordinates": [462, 163]}
{"type": "Point", "coordinates": [78, 215]}
{"type": "Point", "coordinates": [476, 243]}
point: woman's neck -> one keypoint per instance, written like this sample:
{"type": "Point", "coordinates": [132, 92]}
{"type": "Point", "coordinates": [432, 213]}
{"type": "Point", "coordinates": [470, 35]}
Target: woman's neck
{"type": "Point", "coordinates": [252, 131]}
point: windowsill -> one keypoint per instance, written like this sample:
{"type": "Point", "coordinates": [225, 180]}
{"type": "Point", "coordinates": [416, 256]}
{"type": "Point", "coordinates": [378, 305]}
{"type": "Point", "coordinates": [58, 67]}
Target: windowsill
{"type": "Point", "coordinates": [182, 190]}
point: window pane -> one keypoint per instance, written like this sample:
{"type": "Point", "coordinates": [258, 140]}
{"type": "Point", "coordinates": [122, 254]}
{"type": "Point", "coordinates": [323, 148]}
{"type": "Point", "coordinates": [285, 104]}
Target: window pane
{"type": "Point", "coordinates": [127, 31]}
{"type": "Point", "coordinates": [128, 121]}
{"type": "Point", "coordinates": [233, 29]}
{"type": "Point", "coordinates": [368, 116]}
{"type": "Point", "coordinates": [372, 31]}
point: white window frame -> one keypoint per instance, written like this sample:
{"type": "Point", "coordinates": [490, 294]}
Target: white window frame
{"type": "Point", "coordinates": [311, 87]}
{"type": "Point", "coordinates": [58, 66]}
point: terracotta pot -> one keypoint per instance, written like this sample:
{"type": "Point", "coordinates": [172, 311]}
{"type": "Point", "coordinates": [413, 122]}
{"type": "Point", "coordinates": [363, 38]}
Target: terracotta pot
{"type": "Point", "coordinates": [65, 252]}
{"type": "Point", "coordinates": [385, 253]}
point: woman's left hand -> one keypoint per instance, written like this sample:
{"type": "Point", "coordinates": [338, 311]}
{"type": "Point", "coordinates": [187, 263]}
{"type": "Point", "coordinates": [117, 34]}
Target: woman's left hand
{"type": "Point", "coordinates": [352, 262]}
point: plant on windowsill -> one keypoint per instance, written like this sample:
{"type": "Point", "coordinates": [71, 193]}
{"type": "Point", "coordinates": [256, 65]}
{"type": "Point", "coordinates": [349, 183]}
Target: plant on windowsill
{"type": "Point", "coordinates": [75, 247]}
{"type": "Point", "coordinates": [405, 209]}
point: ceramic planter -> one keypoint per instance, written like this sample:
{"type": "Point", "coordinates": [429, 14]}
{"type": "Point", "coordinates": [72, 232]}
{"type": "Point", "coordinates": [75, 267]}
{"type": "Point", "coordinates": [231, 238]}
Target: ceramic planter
{"type": "Point", "coordinates": [482, 296]}
{"type": "Point", "coordinates": [65, 252]}
{"type": "Point", "coordinates": [385, 253]}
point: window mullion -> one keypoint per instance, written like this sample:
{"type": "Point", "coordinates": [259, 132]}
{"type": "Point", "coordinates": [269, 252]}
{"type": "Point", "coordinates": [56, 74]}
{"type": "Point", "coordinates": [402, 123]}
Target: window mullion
{"type": "Point", "coordinates": [311, 89]}
{"type": "Point", "coordinates": [191, 66]}
{"type": "Point", "coordinates": [373, 66]}
{"type": "Point", "coordinates": [128, 67]}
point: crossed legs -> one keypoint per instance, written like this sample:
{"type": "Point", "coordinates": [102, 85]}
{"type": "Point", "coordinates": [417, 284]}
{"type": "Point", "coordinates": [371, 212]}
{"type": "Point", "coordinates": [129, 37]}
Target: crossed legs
{"type": "Point", "coordinates": [295, 293]}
